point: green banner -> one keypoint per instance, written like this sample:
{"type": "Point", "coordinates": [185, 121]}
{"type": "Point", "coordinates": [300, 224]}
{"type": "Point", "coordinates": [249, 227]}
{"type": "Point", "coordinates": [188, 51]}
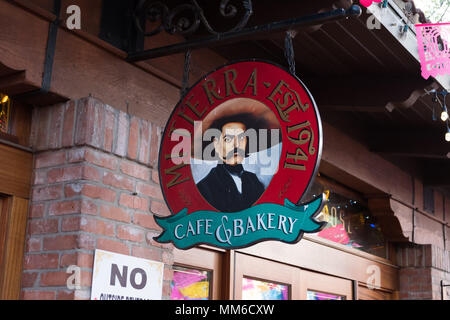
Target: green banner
{"type": "Point", "coordinates": [240, 229]}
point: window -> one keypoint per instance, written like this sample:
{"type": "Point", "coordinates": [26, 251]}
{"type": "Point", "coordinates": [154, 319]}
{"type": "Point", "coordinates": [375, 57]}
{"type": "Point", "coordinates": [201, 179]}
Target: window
{"type": "Point", "coordinates": [5, 105]}
{"type": "Point", "coordinates": [316, 295]}
{"type": "Point", "coordinates": [428, 199]}
{"type": "Point", "coordinates": [198, 274]}
{"type": "Point", "coordinates": [257, 278]}
{"type": "Point", "coordinates": [190, 284]}
{"type": "Point", "coordinates": [350, 222]}
{"type": "Point", "coordinates": [261, 290]}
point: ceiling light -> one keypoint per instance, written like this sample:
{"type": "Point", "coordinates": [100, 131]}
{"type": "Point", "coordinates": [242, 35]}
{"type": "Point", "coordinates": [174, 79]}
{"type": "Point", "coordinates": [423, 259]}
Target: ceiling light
{"type": "Point", "coordinates": [444, 114]}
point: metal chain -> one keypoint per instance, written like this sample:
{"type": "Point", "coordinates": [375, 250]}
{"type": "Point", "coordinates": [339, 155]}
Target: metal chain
{"type": "Point", "coordinates": [186, 71]}
{"type": "Point", "coordinates": [289, 50]}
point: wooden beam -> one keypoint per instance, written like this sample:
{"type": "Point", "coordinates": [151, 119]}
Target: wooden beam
{"type": "Point", "coordinates": [374, 92]}
{"type": "Point", "coordinates": [415, 95]}
{"type": "Point", "coordinates": [19, 27]}
{"type": "Point", "coordinates": [370, 109]}
{"type": "Point", "coordinates": [437, 174]}
{"type": "Point", "coordinates": [11, 80]}
{"type": "Point", "coordinates": [15, 83]}
{"type": "Point", "coordinates": [410, 143]}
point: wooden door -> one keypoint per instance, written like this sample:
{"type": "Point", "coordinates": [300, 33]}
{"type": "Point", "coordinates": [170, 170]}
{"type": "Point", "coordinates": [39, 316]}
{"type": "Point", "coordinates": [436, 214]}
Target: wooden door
{"type": "Point", "coordinates": [366, 293]}
{"type": "Point", "coordinates": [13, 221]}
{"type": "Point", "coordinates": [3, 228]}
{"type": "Point", "coordinates": [317, 286]}
{"type": "Point", "coordinates": [257, 278]}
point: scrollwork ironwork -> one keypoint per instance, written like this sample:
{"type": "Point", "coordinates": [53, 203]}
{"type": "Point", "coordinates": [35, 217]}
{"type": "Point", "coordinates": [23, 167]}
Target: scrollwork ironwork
{"type": "Point", "coordinates": [186, 18]}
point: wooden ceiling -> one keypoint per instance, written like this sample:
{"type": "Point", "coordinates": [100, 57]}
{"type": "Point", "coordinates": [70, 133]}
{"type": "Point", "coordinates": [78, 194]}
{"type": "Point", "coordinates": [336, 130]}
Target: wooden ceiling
{"type": "Point", "coordinates": [364, 82]}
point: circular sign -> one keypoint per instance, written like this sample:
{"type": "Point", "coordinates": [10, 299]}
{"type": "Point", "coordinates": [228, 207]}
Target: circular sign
{"type": "Point", "coordinates": [248, 133]}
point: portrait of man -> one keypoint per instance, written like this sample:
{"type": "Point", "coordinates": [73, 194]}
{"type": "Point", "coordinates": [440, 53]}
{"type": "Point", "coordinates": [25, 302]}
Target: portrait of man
{"type": "Point", "coordinates": [228, 186]}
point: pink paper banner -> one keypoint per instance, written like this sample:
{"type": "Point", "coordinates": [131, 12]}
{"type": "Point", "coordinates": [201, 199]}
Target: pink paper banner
{"type": "Point", "coordinates": [434, 52]}
{"type": "Point", "coordinates": [368, 3]}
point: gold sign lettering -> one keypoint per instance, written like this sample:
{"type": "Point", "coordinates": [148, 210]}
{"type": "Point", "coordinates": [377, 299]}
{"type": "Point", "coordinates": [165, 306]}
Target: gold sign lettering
{"type": "Point", "coordinates": [305, 135]}
{"type": "Point", "coordinates": [210, 93]}
{"type": "Point", "coordinates": [172, 128]}
{"type": "Point", "coordinates": [173, 171]}
{"type": "Point", "coordinates": [252, 82]}
{"type": "Point", "coordinates": [282, 103]}
{"type": "Point", "coordinates": [332, 218]}
{"type": "Point", "coordinates": [194, 108]}
{"type": "Point", "coordinates": [297, 156]}
{"type": "Point", "coordinates": [229, 83]}
{"type": "Point", "coordinates": [183, 115]}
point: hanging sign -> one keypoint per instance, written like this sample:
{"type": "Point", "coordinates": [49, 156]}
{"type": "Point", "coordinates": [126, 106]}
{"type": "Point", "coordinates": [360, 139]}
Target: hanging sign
{"type": "Point", "coordinates": [238, 152]}
{"type": "Point", "coordinates": [121, 277]}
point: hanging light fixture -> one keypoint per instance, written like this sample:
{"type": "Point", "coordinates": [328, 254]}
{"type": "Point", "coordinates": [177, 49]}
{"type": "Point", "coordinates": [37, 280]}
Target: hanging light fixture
{"type": "Point", "coordinates": [4, 112]}
{"type": "Point", "coordinates": [444, 114]}
{"type": "Point", "coordinates": [5, 99]}
{"type": "Point", "coordinates": [447, 135]}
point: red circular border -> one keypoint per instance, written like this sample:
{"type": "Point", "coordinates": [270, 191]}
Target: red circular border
{"type": "Point", "coordinates": [286, 183]}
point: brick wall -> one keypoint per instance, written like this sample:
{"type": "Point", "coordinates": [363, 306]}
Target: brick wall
{"type": "Point", "coordinates": [422, 269]}
{"type": "Point", "coordinates": [95, 185]}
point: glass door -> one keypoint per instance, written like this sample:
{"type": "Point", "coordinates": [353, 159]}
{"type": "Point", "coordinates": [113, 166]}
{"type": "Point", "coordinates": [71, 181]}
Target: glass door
{"type": "Point", "coordinates": [365, 293]}
{"type": "Point", "coordinates": [261, 279]}
{"type": "Point", "coordinates": [317, 286]}
{"type": "Point", "coordinates": [197, 275]}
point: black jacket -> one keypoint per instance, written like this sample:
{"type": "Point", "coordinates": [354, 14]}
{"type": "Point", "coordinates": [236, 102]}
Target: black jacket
{"type": "Point", "coordinates": [219, 189]}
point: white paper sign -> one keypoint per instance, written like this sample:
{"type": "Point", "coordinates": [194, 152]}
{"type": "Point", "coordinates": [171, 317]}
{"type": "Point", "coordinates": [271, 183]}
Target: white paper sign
{"type": "Point", "coordinates": [120, 277]}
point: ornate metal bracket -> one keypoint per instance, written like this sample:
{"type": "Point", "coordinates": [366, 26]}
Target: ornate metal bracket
{"type": "Point", "coordinates": [239, 35]}
{"type": "Point", "coordinates": [186, 18]}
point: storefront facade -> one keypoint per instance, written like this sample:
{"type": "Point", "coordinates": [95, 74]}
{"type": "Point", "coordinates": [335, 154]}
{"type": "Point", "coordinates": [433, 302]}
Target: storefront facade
{"type": "Point", "coordinates": [80, 173]}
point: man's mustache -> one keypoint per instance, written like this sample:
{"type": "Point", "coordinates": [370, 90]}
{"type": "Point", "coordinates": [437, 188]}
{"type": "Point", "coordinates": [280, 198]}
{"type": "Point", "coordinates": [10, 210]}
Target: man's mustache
{"type": "Point", "coordinates": [230, 154]}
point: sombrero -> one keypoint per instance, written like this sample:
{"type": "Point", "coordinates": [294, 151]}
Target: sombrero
{"type": "Point", "coordinates": [252, 113]}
